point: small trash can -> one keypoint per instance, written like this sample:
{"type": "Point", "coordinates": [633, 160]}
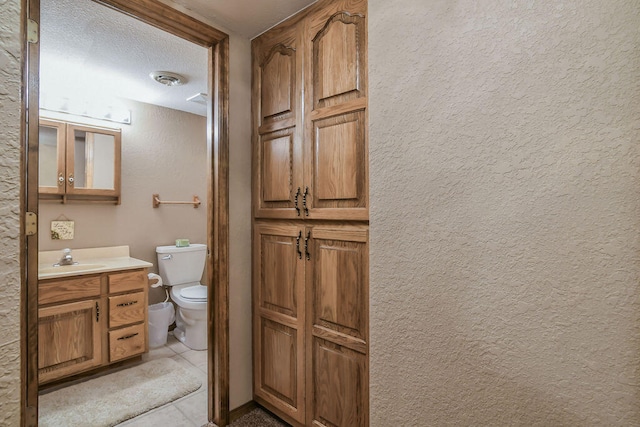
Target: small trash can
{"type": "Point", "coordinates": [161, 315]}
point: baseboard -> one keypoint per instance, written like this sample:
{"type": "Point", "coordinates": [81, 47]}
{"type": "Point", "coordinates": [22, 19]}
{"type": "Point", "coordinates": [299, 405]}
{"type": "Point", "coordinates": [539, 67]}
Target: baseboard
{"type": "Point", "coordinates": [242, 410]}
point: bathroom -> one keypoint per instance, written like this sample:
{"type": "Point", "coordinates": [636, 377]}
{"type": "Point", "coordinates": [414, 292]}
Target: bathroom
{"type": "Point", "coordinates": [163, 152]}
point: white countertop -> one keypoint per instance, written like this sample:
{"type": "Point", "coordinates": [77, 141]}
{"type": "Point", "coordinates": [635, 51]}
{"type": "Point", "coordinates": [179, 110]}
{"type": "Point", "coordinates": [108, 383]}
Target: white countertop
{"type": "Point", "coordinates": [90, 261]}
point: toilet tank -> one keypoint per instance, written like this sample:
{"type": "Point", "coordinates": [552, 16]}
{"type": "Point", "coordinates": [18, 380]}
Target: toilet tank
{"type": "Point", "coordinates": [181, 265]}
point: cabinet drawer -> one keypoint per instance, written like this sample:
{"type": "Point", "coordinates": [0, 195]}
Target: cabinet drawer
{"type": "Point", "coordinates": [126, 342]}
{"type": "Point", "coordinates": [68, 289]}
{"type": "Point", "coordinates": [127, 281]}
{"type": "Point", "coordinates": [126, 309]}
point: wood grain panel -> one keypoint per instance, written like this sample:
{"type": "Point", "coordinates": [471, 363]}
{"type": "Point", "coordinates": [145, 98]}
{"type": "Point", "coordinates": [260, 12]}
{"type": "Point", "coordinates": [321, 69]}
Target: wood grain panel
{"type": "Point", "coordinates": [278, 272]}
{"type": "Point", "coordinates": [336, 148]}
{"type": "Point", "coordinates": [338, 296]}
{"type": "Point", "coordinates": [126, 342]}
{"type": "Point", "coordinates": [338, 59]}
{"type": "Point", "coordinates": [278, 82]}
{"type": "Point", "coordinates": [127, 281]}
{"type": "Point", "coordinates": [277, 169]}
{"type": "Point", "coordinates": [68, 339]}
{"type": "Point", "coordinates": [125, 309]}
{"type": "Point", "coordinates": [279, 361]}
{"type": "Point", "coordinates": [339, 386]}
{"type": "Point", "coordinates": [339, 281]}
{"type": "Point", "coordinates": [68, 289]}
{"type": "Point", "coordinates": [339, 168]}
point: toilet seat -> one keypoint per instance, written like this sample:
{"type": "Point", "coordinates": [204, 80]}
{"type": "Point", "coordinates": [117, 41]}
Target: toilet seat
{"type": "Point", "coordinates": [194, 293]}
{"type": "Point", "coordinates": [186, 302]}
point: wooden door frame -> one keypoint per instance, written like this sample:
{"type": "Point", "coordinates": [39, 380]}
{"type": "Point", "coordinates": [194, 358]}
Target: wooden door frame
{"type": "Point", "coordinates": [172, 21]}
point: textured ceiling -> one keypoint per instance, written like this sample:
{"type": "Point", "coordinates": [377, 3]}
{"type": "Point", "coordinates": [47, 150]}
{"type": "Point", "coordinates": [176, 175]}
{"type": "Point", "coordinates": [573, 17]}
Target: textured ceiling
{"type": "Point", "coordinates": [92, 54]}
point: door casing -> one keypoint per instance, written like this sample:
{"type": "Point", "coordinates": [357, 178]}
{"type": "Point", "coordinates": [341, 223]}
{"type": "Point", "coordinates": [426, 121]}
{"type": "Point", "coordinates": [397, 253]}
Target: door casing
{"type": "Point", "coordinates": [217, 43]}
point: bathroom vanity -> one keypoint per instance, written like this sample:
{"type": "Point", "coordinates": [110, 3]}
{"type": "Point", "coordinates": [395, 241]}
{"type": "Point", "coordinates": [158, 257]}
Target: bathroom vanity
{"type": "Point", "coordinates": [90, 314]}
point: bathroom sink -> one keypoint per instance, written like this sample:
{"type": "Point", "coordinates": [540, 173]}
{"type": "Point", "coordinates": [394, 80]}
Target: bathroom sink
{"type": "Point", "coordinates": [67, 268]}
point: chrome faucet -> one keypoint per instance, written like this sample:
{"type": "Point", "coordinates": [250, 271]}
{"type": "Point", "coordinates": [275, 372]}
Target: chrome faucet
{"type": "Point", "coordinates": [66, 259]}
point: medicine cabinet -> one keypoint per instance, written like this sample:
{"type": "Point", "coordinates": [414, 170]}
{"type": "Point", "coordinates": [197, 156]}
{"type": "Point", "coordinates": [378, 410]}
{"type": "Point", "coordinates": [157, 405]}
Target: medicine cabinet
{"type": "Point", "coordinates": [78, 162]}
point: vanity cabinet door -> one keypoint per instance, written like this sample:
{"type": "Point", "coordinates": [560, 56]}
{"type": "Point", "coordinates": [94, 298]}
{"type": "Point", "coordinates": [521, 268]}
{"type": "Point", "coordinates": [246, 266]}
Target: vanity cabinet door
{"type": "Point", "coordinates": [69, 339]}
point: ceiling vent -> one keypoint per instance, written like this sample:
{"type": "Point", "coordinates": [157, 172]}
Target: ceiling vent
{"type": "Point", "coordinates": [167, 78]}
{"type": "Point", "coordinates": [199, 98]}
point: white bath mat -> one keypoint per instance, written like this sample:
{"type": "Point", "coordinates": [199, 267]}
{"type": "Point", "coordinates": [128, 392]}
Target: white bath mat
{"type": "Point", "coordinates": [114, 398]}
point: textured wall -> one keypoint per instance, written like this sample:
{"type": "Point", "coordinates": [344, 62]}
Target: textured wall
{"type": "Point", "coordinates": [164, 151]}
{"type": "Point", "coordinates": [10, 57]}
{"type": "Point", "coordinates": [505, 205]}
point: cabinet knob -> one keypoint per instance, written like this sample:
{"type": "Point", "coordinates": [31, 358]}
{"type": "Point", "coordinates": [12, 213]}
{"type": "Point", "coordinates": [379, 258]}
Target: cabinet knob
{"type": "Point", "coordinates": [61, 179]}
{"type": "Point", "coordinates": [71, 180]}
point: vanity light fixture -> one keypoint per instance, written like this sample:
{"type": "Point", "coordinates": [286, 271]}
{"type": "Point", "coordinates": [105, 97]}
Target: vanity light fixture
{"type": "Point", "coordinates": [86, 109]}
{"type": "Point", "coordinates": [168, 78]}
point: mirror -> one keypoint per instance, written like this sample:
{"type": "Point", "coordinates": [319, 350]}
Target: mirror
{"type": "Point", "coordinates": [48, 167]}
{"type": "Point", "coordinates": [94, 160]}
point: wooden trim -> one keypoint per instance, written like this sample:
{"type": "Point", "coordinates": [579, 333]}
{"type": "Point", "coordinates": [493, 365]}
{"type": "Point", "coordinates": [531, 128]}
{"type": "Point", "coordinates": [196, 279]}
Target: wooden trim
{"type": "Point", "coordinates": [218, 220]}
{"type": "Point", "coordinates": [30, 9]}
{"type": "Point", "coordinates": [166, 18]}
{"type": "Point", "coordinates": [242, 410]}
{"type": "Point", "coordinates": [155, 13]}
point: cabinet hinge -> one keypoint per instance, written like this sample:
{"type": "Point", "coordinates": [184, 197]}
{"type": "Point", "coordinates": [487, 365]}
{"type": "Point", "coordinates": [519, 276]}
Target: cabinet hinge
{"type": "Point", "coordinates": [33, 32]}
{"type": "Point", "coordinates": [30, 224]}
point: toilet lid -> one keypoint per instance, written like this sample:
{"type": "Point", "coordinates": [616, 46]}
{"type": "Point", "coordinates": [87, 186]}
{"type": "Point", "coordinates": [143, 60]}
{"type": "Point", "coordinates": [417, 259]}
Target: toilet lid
{"type": "Point", "coordinates": [194, 293]}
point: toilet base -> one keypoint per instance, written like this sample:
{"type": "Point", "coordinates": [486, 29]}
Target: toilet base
{"type": "Point", "coordinates": [191, 328]}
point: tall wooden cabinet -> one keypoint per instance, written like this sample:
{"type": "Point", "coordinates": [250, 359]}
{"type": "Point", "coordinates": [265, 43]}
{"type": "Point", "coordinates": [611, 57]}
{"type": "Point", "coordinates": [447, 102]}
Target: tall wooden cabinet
{"type": "Point", "coordinates": [310, 207]}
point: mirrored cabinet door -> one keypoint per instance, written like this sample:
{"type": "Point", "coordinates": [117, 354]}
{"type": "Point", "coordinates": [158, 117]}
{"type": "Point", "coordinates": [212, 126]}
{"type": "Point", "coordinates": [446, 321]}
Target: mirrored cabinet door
{"type": "Point", "coordinates": [93, 161]}
{"type": "Point", "coordinates": [51, 163]}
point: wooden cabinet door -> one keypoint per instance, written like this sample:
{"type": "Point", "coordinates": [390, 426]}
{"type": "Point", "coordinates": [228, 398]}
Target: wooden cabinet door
{"type": "Point", "coordinates": [337, 290]}
{"type": "Point", "coordinates": [278, 318]}
{"type": "Point", "coordinates": [51, 157]}
{"type": "Point", "coordinates": [336, 146]}
{"type": "Point", "coordinates": [277, 123]}
{"type": "Point", "coordinates": [69, 339]}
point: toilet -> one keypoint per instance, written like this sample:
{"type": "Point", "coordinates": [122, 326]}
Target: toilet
{"type": "Point", "coordinates": [181, 268]}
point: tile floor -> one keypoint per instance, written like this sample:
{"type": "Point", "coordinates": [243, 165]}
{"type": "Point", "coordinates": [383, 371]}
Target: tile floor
{"type": "Point", "coordinates": [188, 411]}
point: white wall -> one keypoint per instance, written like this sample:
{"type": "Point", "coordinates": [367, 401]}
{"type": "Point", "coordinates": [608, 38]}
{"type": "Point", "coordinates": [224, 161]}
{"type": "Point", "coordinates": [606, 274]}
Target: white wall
{"type": "Point", "coordinates": [164, 151]}
{"type": "Point", "coordinates": [10, 63]}
{"type": "Point", "coordinates": [240, 347]}
{"type": "Point", "coordinates": [505, 201]}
